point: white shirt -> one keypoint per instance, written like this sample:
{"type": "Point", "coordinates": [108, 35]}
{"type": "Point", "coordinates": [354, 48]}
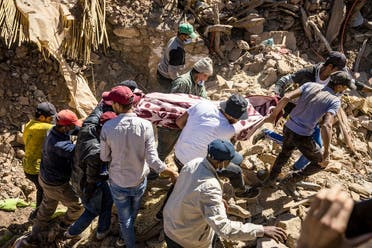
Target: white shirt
{"type": "Point", "coordinates": [317, 76]}
{"type": "Point", "coordinates": [205, 123]}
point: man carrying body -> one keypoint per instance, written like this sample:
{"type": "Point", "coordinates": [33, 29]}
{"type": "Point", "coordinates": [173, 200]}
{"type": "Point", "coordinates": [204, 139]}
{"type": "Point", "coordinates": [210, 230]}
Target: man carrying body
{"type": "Point", "coordinates": [90, 180]}
{"type": "Point", "coordinates": [192, 83]}
{"type": "Point", "coordinates": [195, 211]}
{"type": "Point", "coordinates": [172, 64]}
{"type": "Point", "coordinates": [203, 123]}
{"type": "Point", "coordinates": [55, 173]}
{"type": "Point", "coordinates": [319, 73]}
{"type": "Point", "coordinates": [33, 137]}
{"type": "Point", "coordinates": [127, 142]}
{"type": "Point", "coordinates": [314, 102]}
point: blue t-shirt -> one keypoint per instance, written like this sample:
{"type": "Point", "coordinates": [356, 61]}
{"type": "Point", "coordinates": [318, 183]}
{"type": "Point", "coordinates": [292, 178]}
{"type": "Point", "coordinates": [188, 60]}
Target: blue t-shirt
{"type": "Point", "coordinates": [315, 101]}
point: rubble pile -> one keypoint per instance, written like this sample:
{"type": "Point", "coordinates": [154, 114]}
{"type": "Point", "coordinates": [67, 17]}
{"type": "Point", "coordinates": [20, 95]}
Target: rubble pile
{"type": "Point", "coordinates": [253, 44]}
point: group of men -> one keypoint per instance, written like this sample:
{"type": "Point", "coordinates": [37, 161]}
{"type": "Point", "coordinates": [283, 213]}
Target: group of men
{"type": "Point", "coordinates": [115, 149]}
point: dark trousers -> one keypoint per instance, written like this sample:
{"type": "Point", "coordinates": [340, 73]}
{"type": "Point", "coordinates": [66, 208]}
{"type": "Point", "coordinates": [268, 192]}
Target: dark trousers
{"type": "Point", "coordinates": [165, 83]}
{"type": "Point", "coordinates": [307, 146]}
{"type": "Point", "coordinates": [39, 189]}
{"type": "Point", "coordinates": [171, 243]}
{"type": "Point", "coordinates": [167, 138]}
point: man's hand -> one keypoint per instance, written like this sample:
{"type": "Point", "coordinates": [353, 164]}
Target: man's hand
{"type": "Point", "coordinates": [174, 176]}
{"type": "Point", "coordinates": [276, 233]}
{"type": "Point", "coordinates": [326, 221]}
{"type": "Point", "coordinates": [325, 160]}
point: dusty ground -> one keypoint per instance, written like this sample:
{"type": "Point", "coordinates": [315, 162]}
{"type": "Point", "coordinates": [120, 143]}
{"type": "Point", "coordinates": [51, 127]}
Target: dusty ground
{"type": "Point", "coordinates": [26, 78]}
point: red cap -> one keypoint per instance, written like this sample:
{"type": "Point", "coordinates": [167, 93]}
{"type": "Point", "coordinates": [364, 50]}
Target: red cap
{"type": "Point", "coordinates": [105, 98]}
{"type": "Point", "coordinates": [121, 94]}
{"type": "Point", "coordinates": [66, 117]}
{"type": "Point", "coordinates": [106, 117]}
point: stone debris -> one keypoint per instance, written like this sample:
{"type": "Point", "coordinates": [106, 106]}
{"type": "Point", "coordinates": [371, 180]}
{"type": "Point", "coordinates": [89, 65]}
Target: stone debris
{"type": "Point", "coordinates": [267, 40]}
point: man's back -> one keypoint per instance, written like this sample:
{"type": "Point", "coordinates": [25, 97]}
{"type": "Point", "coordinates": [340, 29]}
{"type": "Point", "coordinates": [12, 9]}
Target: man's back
{"type": "Point", "coordinates": [33, 137]}
{"type": "Point", "coordinates": [204, 124]}
{"type": "Point", "coordinates": [129, 141]}
{"type": "Point", "coordinates": [314, 102]}
{"type": "Point", "coordinates": [173, 59]}
{"type": "Point", "coordinates": [56, 164]}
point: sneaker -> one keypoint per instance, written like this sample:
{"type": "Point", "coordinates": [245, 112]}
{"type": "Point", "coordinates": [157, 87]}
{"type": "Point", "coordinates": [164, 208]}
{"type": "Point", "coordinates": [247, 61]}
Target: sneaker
{"type": "Point", "coordinates": [248, 193]}
{"type": "Point", "coordinates": [120, 243]}
{"type": "Point", "coordinates": [259, 136]}
{"type": "Point", "coordinates": [67, 235]}
{"type": "Point", "coordinates": [159, 216]}
{"type": "Point", "coordinates": [23, 242]}
{"type": "Point", "coordinates": [101, 235]}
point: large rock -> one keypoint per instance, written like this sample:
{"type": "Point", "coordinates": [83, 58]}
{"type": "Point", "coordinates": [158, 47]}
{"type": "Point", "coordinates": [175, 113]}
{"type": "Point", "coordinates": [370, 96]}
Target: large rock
{"type": "Point", "coordinates": [283, 67]}
{"type": "Point", "coordinates": [269, 77]}
{"type": "Point", "coordinates": [267, 158]}
{"type": "Point", "coordinates": [256, 149]}
{"type": "Point", "coordinates": [334, 167]}
{"type": "Point", "coordinates": [292, 225]}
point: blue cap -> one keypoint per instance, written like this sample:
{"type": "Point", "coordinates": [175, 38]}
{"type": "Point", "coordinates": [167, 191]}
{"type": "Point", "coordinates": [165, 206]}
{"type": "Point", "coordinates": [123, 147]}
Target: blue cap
{"type": "Point", "coordinates": [222, 150]}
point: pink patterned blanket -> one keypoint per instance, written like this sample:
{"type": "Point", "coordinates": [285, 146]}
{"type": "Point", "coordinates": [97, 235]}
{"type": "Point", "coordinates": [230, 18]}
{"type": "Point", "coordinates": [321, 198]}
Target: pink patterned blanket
{"type": "Point", "coordinates": [163, 110]}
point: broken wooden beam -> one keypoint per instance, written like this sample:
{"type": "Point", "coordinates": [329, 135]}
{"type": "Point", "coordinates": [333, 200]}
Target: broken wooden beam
{"type": "Point", "coordinates": [338, 14]}
{"type": "Point", "coordinates": [320, 35]}
{"type": "Point", "coordinates": [360, 55]}
{"type": "Point", "coordinates": [218, 28]}
{"type": "Point", "coordinates": [305, 24]}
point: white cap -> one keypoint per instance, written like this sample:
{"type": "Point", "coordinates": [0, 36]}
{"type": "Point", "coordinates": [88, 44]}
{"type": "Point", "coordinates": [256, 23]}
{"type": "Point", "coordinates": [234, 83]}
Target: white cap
{"type": "Point", "coordinates": [204, 65]}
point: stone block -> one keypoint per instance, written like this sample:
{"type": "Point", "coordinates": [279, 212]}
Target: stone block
{"type": "Point", "coordinates": [283, 67]}
{"type": "Point", "coordinates": [334, 167]}
{"type": "Point", "coordinates": [256, 149]}
{"type": "Point", "coordinates": [267, 158]}
{"type": "Point", "coordinates": [269, 243]}
{"type": "Point", "coordinates": [292, 225]}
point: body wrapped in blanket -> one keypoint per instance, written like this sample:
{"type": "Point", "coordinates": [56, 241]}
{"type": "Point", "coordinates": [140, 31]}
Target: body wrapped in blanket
{"type": "Point", "coordinates": [163, 110]}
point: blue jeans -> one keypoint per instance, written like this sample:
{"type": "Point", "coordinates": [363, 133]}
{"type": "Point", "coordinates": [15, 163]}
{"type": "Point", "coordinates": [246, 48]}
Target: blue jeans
{"type": "Point", "coordinates": [302, 161]}
{"type": "Point", "coordinates": [99, 205]}
{"type": "Point", "coordinates": [128, 202]}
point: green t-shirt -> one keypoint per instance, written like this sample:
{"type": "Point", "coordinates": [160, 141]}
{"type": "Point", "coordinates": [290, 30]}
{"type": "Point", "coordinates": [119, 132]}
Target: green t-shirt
{"type": "Point", "coordinates": [33, 137]}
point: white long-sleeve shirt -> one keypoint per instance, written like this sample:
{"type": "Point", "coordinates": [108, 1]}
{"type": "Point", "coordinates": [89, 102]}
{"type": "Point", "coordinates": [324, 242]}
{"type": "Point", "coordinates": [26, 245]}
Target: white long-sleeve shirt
{"type": "Point", "coordinates": [195, 210]}
{"type": "Point", "coordinates": [128, 143]}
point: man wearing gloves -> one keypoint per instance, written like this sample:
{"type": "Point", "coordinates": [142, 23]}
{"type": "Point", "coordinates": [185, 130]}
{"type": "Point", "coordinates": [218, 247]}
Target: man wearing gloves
{"type": "Point", "coordinates": [195, 211]}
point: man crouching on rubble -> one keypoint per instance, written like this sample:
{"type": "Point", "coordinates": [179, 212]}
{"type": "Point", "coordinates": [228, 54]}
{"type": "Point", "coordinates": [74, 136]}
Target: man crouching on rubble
{"type": "Point", "coordinates": [315, 101]}
{"type": "Point", "coordinates": [195, 210]}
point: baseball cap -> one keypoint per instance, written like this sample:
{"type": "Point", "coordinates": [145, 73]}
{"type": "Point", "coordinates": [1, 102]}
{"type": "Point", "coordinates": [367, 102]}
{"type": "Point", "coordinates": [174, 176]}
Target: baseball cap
{"type": "Point", "coordinates": [105, 98]}
{"type": "Point", "coordinates": [186, 28]}
{"type": "Point", "coordinates": [204, 65]}
{"type": "Point", "coordinates": [66, 117]}
{"type": "Point", "coordinates": [120, 94]}
{"type": "Point", "coordinates": [236, 107]}
{"type": "Point", "coordinates": [337, 59]}
{"type": "Point", "coordinates": [343, 78]}
{"type": "Point", "coordinates": [46, 109]}
{"type": "Point", "coordinates": [131, 84]}
{"type": "Point", "coordinates": [222, 150]}
{"type": "Point", "coordinates": [106, 117]}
